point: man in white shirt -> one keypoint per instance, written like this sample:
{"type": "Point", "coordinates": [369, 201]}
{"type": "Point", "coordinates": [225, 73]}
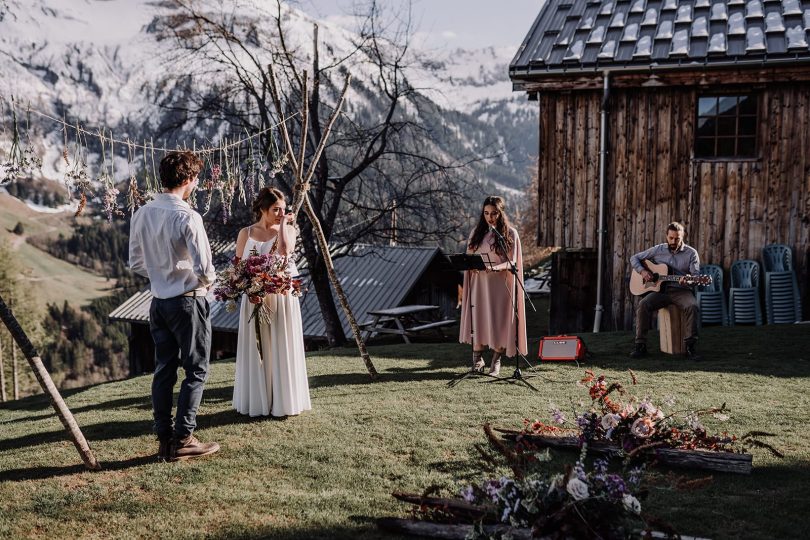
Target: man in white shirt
{"type": "Point", "coordinates": [168, 245]}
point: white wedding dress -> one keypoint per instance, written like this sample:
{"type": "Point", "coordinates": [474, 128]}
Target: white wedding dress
{"type": "Point", "coordinates": [277, 383]}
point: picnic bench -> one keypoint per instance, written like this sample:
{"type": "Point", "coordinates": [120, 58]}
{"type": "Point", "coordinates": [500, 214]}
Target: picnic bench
{"type": "Point", "coordinates": [403, 321]}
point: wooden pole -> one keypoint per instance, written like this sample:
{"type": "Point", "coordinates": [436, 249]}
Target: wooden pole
{"type": "Point", "coordinates": [2, 374]}
{"type": "Point", "coordinates": [47, 385]}
{"type": "Point", "coordinates": [333, 277]}
{"type": "Point", "coordinates": [14, 379]}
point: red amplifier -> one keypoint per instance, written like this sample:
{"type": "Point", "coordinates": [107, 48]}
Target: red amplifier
{"type": "Point", "coordinates": [562, 349]}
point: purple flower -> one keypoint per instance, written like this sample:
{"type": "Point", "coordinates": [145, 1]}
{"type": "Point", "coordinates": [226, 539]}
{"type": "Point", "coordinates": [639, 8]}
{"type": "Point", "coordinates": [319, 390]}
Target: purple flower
{"type": "Point", "coordinates": [615, 486]}
{"type": "Point", "coordinates": [468, 494]}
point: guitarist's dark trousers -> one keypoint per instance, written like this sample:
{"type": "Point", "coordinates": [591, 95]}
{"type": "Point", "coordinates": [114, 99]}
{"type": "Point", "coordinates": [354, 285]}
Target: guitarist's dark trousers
{"type": "Point", "coordinates": [683, 298]}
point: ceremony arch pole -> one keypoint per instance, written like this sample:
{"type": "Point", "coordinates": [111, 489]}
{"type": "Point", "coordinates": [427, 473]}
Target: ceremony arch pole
{"type": "Point", "coordinates": [47, 385]}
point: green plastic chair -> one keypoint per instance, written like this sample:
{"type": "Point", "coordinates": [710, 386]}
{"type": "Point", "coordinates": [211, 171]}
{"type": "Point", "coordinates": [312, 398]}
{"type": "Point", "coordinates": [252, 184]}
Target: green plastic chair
{"type": "Point", "coordinates": [782, 299]}
{"type": "Point", "coordinates": [743, 296]}
{"type": "Point", "coordinates": [711, 298]}
{"type": "Point", "coordinates": [777, 258]}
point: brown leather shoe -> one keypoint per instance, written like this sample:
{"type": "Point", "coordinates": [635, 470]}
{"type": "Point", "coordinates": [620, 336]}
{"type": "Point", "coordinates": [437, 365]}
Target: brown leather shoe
{"type": "Point", "coordinates": [190, 448]}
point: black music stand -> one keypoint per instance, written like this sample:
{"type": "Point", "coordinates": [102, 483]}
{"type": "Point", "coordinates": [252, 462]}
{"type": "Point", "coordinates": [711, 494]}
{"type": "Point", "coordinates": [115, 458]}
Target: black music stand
{"type": "Point", "coordinates": [461, 262]}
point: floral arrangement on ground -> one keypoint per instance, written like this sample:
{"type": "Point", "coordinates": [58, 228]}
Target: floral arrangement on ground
{"type": "Point", "coordinates": [636, 424]}
{"type": "Point", "coordinates": [541, 499]}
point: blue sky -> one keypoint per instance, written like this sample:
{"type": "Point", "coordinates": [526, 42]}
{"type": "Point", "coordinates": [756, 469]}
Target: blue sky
{"type": "Point", "coordinates": [451, 23]}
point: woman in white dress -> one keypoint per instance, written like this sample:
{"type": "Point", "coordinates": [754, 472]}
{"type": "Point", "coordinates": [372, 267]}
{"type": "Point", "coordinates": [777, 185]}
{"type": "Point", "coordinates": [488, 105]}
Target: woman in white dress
{"type": "Point", "coordinates": [275, 384]}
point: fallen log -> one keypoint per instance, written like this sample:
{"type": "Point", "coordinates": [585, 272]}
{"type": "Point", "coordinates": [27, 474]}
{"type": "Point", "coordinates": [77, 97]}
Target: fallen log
{"type": "Point", "coordinates": [459, 508]}
{"type": "Point", "coordinates": [445, 530]}
{"type": "Point", "coordinates": [460, 532]}
{"type": "Point", "coordinates": [693, 459]}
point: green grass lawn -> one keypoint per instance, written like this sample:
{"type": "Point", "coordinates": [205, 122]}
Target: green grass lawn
{"type": "Point", "coordinates": [330, 472]}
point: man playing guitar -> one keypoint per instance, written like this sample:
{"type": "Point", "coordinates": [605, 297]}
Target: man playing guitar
{"type": "Point", "coordinates": [682, 260]}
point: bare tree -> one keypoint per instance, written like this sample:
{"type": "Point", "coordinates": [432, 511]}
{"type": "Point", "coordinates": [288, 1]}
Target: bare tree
{"type": "Point", "coordinates": [381, 155]}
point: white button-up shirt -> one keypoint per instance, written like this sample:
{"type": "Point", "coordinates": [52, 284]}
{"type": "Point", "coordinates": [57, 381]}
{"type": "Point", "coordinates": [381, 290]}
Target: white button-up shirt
{"type": "Point", "coordinates": [168, 244]}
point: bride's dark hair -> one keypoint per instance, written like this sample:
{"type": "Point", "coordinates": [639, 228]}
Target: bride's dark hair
{"type": "Point", "coordinates": [265, 198]}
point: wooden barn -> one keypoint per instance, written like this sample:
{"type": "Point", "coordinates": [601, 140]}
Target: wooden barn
{"type": "Point", "coordinates": [693, 110]}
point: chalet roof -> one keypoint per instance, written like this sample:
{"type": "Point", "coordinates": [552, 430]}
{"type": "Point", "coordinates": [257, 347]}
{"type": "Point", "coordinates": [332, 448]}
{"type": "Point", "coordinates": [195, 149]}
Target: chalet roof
{"type": "Point", "coordinates": [575, 36]}
{"type": "Point", "coordinates": [373, 277]}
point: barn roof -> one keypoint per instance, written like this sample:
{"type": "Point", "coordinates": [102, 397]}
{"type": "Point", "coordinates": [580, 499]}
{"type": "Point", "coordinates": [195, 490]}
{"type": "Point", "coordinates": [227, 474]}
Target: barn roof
{"type": "Point", "coordinates": [575, 36]}
{"type": "Point", "coordinates": [373, 277]}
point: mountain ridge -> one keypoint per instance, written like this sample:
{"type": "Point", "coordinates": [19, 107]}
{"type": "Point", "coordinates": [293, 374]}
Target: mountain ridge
{"type": "Point", "coordinates": [70, 60]}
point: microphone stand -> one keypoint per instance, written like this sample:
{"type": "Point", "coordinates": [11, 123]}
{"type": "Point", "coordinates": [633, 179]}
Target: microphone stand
{"type": "Point", "coordinates": [517, 376]}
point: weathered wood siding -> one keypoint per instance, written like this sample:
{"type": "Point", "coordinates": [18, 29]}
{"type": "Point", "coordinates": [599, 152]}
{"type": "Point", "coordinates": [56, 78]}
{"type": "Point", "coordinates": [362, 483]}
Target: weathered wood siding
{"type": "Point", "coordinates": [731, 209]}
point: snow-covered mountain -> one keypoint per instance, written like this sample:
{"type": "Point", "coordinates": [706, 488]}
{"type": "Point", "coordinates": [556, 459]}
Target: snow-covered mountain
{"type": "Point", "coordinates": [109, 63]}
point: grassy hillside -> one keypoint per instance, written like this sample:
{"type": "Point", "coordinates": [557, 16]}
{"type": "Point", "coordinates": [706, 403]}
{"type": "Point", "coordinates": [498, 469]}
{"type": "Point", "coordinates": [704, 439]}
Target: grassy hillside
{"type": "Point", "coordinates": [52, 280]}
{"type": "Point", "coordinates": [329, 472]}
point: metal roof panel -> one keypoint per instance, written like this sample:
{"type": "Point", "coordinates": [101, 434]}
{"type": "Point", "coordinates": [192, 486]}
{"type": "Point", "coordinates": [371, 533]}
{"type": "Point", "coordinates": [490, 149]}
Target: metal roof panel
{"type": "Point", "coordinates": [708, 32]}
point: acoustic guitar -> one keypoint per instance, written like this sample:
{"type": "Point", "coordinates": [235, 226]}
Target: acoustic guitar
{"type": "Point", "coordinates": [659, 271]}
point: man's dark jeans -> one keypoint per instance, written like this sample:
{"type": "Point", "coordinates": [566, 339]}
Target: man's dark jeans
{"type": "Point", "coordinates": [181, 330]}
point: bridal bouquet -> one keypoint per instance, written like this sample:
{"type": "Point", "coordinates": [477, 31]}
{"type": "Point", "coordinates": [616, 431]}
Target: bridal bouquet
{"type": "Point", "coordinates": [256, 276]}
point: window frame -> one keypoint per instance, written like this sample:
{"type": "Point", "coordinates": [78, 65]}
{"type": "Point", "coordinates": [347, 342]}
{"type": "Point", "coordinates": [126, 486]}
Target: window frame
{"type": "Point", "coordinates": [736, 136]}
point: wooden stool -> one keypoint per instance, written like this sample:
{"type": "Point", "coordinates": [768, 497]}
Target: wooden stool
{"type": "Point", "coordinates": [670, 330]}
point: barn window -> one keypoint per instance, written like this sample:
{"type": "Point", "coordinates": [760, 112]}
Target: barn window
{"type": "Point", "coordinates": [726, 127]}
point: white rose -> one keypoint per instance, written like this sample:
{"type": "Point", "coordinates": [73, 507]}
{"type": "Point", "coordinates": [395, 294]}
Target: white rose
{"type": "Point", "coordinates": [610, 421]}
{"type": "Point", "coordinates": [577, 489]}
{"type": "Point", "coordinates": [631, 504]}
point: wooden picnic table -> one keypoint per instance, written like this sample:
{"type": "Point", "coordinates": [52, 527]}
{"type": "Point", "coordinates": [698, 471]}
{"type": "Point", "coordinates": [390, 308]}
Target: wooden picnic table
{"type": "Point", "coordinates": [403, 321]}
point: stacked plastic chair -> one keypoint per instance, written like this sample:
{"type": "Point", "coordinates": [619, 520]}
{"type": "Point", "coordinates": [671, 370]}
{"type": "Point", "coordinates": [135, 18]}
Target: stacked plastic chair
{"type": "Point", "coordinates": [711, 298]}
{"type": "Point", "coordinates": [782, 301]}
{"type": "Point", "coordinates": [743, 297]}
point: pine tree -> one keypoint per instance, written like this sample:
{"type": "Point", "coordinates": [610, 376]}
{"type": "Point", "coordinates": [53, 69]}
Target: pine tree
{"type": "Point", "coordinates": [17, 296]}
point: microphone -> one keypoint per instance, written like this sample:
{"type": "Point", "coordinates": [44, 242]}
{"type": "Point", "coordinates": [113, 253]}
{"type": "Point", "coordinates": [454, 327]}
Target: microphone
{"type": "Point", "coordinates": [494, 231]}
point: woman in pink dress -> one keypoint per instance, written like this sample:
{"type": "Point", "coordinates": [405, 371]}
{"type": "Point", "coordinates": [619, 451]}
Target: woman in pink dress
{"type": "Point", "coordinates": [487, 310]}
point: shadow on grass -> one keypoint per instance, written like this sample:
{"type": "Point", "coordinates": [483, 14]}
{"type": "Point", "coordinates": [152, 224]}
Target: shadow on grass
{"type": "Point", "coordinates": [773, 350]}
{"type": "Point", "coordinates": [139, 402]}
{"type": "Point", "coordinates": [41, 473]}
{"type": "Point", "coordinates": [365, 527]}
{"type": "Point", "coordinates": [107, 431]}
{"type": "Point", "coordinates": [39, 402]}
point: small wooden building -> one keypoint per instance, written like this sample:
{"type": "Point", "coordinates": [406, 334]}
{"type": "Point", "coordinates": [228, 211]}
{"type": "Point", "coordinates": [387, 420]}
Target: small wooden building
{"type": "Point", "coordinates": [373, 277]}
{"type": "Point", "coordinates": [706, 108]}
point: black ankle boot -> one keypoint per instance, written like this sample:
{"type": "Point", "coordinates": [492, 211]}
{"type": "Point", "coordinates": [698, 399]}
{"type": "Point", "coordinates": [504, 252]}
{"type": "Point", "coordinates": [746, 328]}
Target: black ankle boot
{"type": "Point", "coordinates": [691, 352]}
{"type": "Point", "coordinates": [639, 350]}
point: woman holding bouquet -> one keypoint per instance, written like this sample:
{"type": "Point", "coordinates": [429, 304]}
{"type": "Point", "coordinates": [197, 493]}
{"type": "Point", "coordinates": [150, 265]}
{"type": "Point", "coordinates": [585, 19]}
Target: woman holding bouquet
{"type": "Point", "coordinates": [274, 383]}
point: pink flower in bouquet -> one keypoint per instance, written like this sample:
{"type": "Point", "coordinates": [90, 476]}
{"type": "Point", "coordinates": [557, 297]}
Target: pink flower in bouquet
{"type": "Point", "coordinates": [643, 427]}
{"type": "Point", "coordinates": [651, 410]}
{"type": "Point", "coordinates": [628, 411]}
{"type": "Point", "coordinates": [256, 276]}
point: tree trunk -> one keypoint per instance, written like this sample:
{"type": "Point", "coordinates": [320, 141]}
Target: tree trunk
{"type": "Point", "coordinates": [14, 378]}
{"type": "Point", "coordinates": [45, 381]}
{"type": "Point", "coordinates": [2, 375]}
